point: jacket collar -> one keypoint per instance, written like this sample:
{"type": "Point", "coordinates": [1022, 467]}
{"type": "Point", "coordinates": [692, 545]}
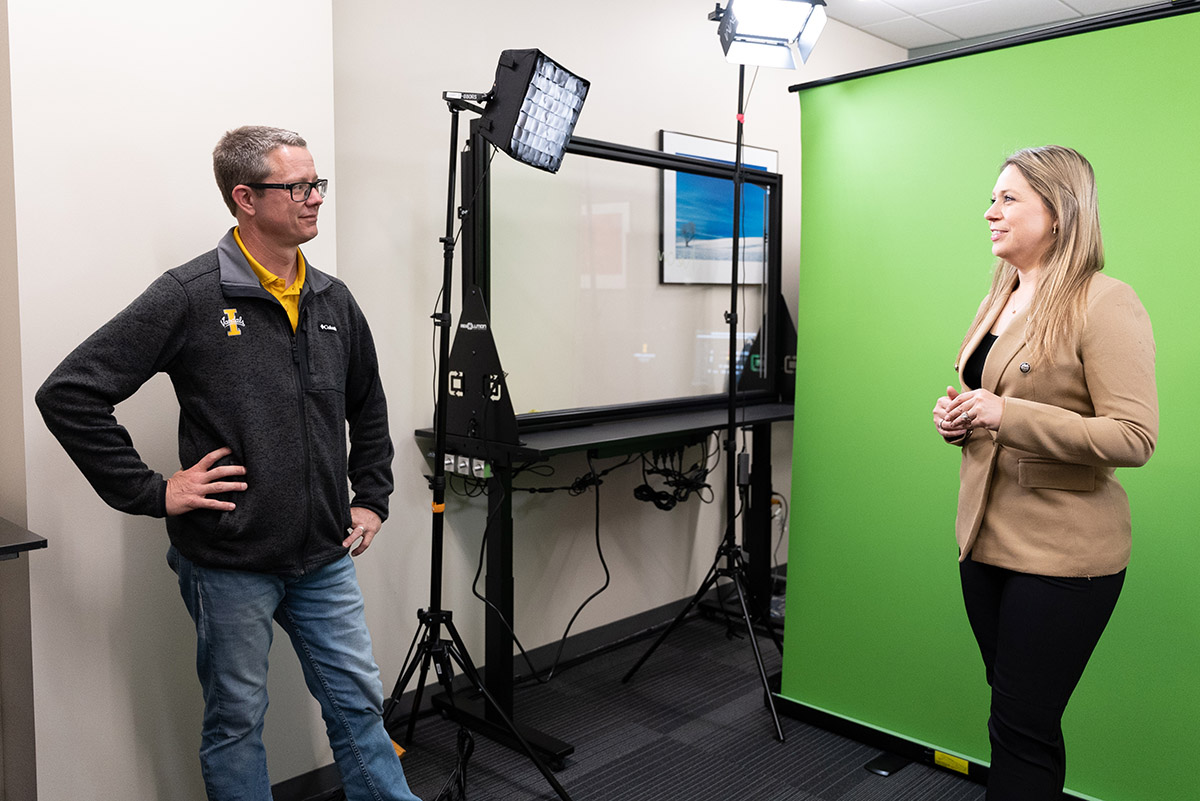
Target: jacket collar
{"type": "Point", "coordinates": [237, 277]}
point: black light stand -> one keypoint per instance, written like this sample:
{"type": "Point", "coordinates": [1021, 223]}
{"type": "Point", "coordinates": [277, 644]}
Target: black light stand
{"type": "Point", "coordinates": [429, 646]}
{"type": "Point", "coordinates": [730, 552]}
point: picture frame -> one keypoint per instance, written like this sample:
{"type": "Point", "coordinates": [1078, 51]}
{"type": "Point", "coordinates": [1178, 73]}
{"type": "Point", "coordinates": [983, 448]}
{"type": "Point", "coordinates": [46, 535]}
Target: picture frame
{"type": "Point", "coordinates": [697, 215]}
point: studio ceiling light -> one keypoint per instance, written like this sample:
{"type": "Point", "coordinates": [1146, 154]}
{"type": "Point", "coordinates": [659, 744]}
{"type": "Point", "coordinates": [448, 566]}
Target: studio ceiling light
{"type": "Point", "coordinates": [771, 33]}
{"type": "Point", "coordinates": [533, 107]}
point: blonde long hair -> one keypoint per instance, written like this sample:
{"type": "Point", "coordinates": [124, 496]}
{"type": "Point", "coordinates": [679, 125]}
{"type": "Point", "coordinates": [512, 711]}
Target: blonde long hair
{"type": "Point", "coordinates": [1067, 186]}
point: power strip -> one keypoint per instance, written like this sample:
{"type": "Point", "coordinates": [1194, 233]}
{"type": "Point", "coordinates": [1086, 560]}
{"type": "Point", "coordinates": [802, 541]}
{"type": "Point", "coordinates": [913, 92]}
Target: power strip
{"type": "Point", "coordinates": [467, 466]}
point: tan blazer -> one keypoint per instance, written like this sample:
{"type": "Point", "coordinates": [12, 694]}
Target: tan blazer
{"type": "Point", "coordinates": [1038, 495]}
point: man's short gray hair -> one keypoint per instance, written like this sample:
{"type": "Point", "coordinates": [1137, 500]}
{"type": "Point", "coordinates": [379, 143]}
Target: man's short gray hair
{"type": "Point", "coordinates": [241, 157]}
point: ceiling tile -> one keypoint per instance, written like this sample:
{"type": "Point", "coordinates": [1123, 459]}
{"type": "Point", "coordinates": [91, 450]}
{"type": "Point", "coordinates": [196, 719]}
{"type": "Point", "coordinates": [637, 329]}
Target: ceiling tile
{"type": "Point", "coordinates": [858, 13]}
{"type": "Point", "coordinates": [916, 24]}
{"type": "Point", "coordinates": [987, 17]}
{"type": "Point", "coordinates": [1092, 7]}
{"type": "Point", "coordinates": [918, 7]}
{"type": "Point", "coordinates": [910, 33]}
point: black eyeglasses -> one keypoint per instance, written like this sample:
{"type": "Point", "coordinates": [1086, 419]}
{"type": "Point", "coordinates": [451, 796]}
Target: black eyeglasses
{"type": "Point", "coordinates": [299, 190]}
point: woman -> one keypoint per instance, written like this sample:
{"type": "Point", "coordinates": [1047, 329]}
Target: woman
{"type": "Point", "coordinates": [1058, 390]}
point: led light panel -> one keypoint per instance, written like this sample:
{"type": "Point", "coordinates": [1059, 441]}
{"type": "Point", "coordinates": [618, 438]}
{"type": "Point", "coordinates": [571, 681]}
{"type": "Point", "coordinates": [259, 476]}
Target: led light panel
{"type": "Point", "coordinates": [534, 107]}
{"type": "Point", "coordinates": [771, 33]}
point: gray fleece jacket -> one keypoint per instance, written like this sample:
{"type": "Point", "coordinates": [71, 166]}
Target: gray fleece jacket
{"type": "Point", "coordinates": [280, 400]}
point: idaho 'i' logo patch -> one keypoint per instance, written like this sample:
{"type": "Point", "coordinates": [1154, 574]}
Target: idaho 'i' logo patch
{"type": "Point", "coordinates": [233, 324]}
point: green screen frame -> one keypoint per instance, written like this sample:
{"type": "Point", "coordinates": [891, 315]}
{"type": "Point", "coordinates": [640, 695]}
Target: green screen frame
{"type": "Point", "coordinates": [897, 172]}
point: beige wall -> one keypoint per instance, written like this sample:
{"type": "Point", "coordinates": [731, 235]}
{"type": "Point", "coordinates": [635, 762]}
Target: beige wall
{"type": "Point", "coordinates": [17, 759]}
{"type": "Point", "coordinates": [115, 108]}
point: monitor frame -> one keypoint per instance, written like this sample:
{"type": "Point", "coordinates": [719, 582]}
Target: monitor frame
{"type": "Point", "coordinates": [477, 273]}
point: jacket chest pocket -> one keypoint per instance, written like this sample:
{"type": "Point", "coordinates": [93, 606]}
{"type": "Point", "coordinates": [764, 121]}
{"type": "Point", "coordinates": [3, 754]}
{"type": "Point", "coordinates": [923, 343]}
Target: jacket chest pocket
{"type": "Point", "coordinates": [323, 357]}
{"type": "Point", "coordinates": [1045, 474]}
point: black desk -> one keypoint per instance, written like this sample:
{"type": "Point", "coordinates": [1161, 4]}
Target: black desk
{"type": "Point", "coordinates": [16, 646]}
{"type": "Point", "coordinates": [633, 435]}
{"type": "Point", "coordinates": [15, 540]}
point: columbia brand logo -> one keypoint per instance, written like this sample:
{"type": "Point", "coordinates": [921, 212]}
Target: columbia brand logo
{"type": "Point", "coordinates": [233, 324]}
{"type": "Point", "coordinates": [325, 327]}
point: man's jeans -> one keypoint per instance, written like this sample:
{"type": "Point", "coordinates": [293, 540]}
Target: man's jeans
{"type": "Point", "coordinates": [322, 613]}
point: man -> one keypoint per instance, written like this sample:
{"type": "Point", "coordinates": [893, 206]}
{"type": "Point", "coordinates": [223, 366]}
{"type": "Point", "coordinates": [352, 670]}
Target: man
{"type": "Point", "coordinates": [270, 359]}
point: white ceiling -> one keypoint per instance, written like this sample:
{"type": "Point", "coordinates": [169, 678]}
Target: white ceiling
{"type": "Point", "coordinates": [916, 24]}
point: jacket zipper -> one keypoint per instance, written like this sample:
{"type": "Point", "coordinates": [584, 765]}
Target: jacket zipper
{"type": "Point", "coordinates": [302, 378]}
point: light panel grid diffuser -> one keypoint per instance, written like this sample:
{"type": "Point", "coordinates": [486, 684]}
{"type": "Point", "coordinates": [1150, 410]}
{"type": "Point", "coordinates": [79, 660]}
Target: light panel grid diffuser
{"type": "Point", "coordinates": [548, 115]}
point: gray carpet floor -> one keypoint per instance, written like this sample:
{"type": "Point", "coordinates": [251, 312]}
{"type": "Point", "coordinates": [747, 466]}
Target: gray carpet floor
{"type": "Point", "coordinates": [690, 726]}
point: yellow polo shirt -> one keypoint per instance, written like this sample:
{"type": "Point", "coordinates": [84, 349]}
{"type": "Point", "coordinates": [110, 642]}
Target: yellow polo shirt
{"type": "Point", "coordinates": [288, 296]}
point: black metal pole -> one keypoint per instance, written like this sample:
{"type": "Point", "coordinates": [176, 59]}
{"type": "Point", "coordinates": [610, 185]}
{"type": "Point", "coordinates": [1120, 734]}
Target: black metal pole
{"type": "Point", "coordinates": [729, 552]}
{"type": "Point", "coordinates": [432, 648]}
{"type": "Point", "coordinates": [429, 644]}
{"type": "Point", "coordinates": [442, 321]}
{"type": "Point", "coordinates": [732, 318]}
{"type": "Point", "coordinates": [735, 565]}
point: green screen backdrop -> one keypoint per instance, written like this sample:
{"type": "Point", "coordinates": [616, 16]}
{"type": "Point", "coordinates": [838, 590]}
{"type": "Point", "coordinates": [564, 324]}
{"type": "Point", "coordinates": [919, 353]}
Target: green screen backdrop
{"type": "Point", "coordinates": [898, 169]}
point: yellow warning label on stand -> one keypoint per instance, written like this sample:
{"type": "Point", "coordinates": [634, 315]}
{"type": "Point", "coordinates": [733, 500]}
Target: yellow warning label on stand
{"type": "Point", "coordinates": [951, 762]}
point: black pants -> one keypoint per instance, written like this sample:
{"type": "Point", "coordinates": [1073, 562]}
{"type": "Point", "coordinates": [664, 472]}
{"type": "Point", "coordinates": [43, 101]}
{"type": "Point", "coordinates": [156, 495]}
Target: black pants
{"type": "Point", "coordinates": [1036, 634]}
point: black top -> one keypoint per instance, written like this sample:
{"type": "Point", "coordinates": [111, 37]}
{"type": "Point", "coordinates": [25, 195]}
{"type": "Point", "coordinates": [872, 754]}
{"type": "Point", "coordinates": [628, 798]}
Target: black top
{"type": "Point", "coordinates": [973, 369]}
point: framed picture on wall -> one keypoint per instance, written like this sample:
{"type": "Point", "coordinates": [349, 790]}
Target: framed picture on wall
{"type": "Point", "coordinates": [697, 215]}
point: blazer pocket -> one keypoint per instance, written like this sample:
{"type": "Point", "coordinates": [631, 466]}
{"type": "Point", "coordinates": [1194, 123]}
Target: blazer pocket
{"type": "Point", "coordinates": [1043, 474]}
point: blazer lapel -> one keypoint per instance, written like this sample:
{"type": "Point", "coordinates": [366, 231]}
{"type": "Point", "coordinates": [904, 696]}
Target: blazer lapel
{"type": "Point", "coordinates": [1003, 351]}
{"type": "Point", "coordinates": [985, 325]}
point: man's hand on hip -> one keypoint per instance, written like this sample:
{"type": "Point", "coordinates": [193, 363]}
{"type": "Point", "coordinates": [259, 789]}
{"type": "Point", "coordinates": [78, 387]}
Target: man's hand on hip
{"type": "Point", "coordinates": [189, 489]}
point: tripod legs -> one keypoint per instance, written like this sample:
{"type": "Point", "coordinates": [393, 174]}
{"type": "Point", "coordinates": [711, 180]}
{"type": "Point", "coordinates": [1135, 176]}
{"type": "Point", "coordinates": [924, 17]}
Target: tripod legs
{"type": "Point", "coordinates": [734, 571]}
{"type": "Point", "coordinates": [427, 649]}
{"type": "Point", "coordinates": [443, 654]}
{"type": "Point", "coordinates": [762, 671]}
{"type": "Point", "coordinates": [747, 599]}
